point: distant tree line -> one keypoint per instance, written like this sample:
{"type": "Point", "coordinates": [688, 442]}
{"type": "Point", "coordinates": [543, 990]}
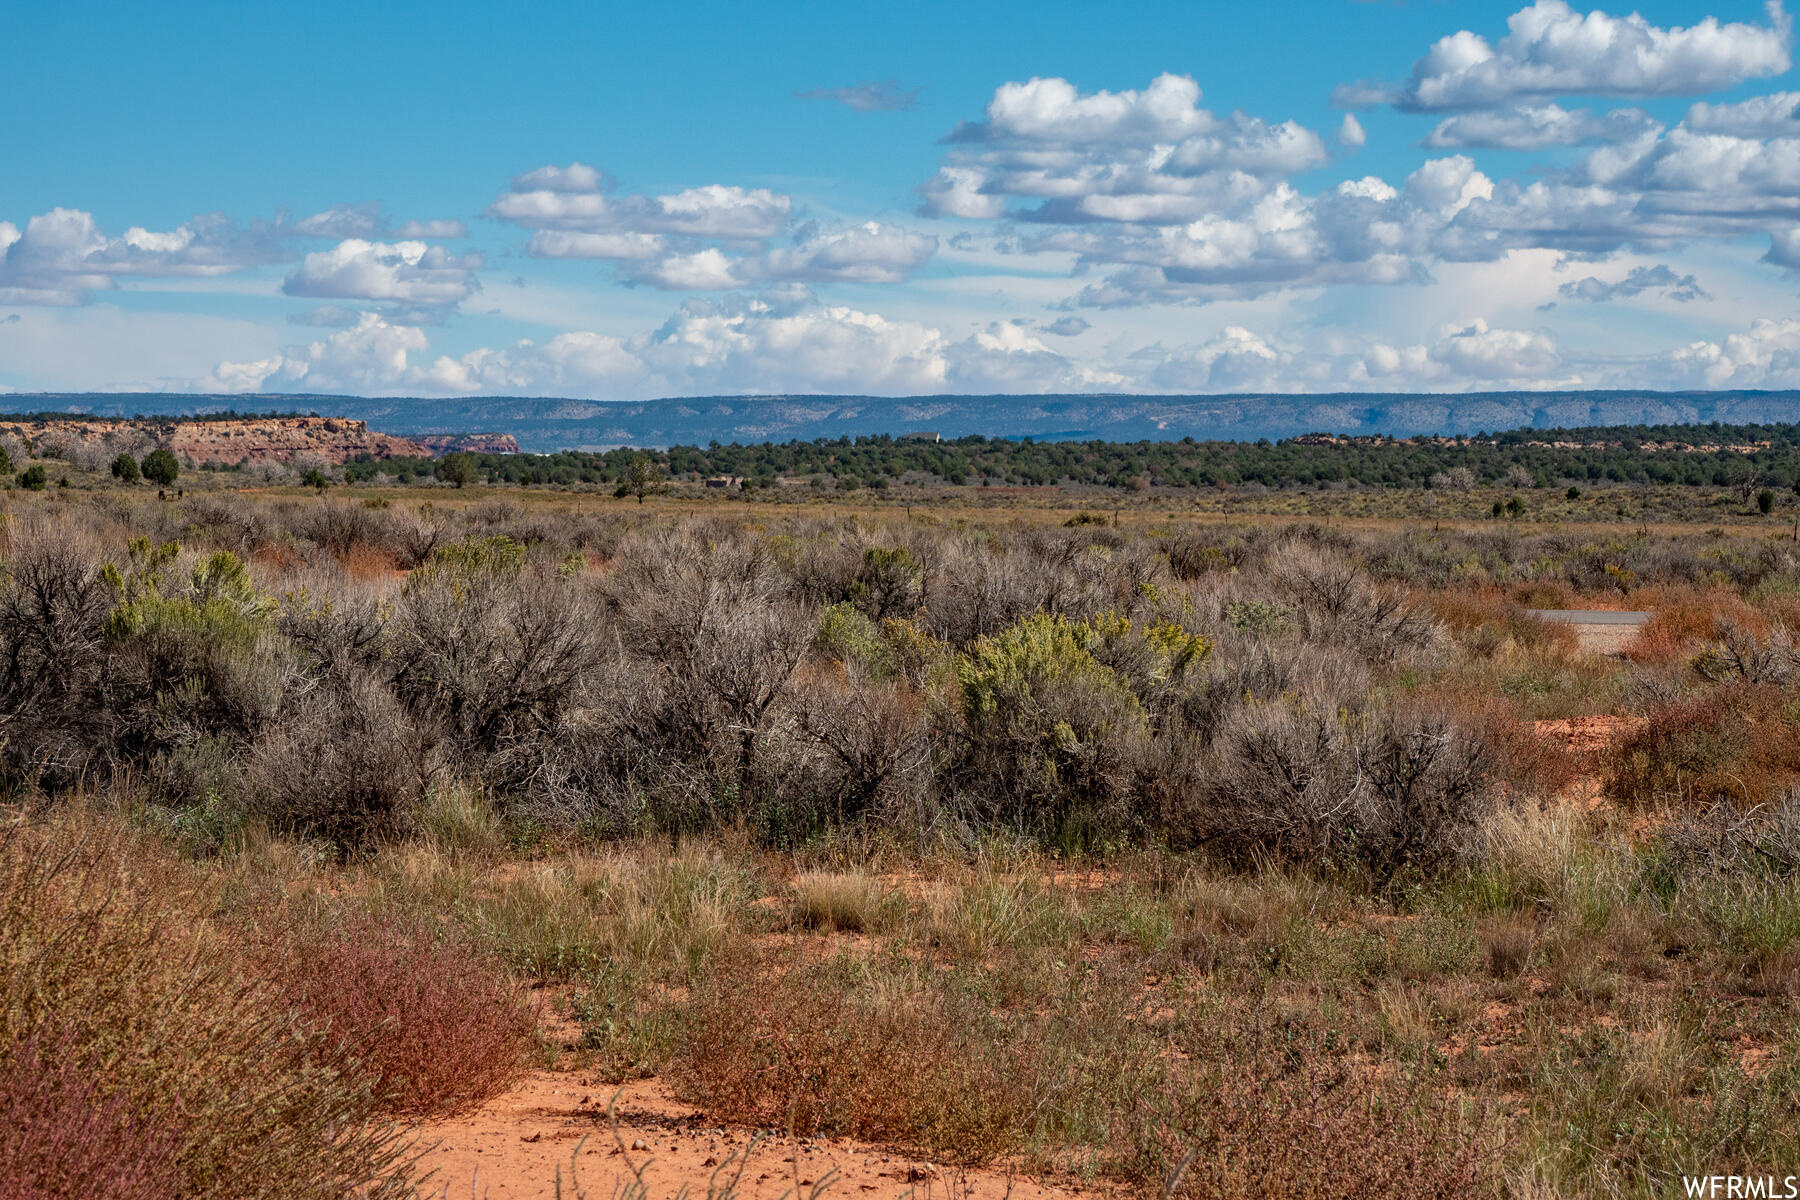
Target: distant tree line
{"type": "Point", "coordinates": [1683, 455]}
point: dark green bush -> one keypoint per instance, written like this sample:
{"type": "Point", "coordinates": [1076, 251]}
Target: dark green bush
{"type": "Point", "coordinates": [160, 468]}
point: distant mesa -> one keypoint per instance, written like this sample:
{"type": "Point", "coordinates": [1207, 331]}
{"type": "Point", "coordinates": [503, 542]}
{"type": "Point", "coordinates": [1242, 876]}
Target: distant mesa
{"type": "Point", "coordinates": [228, 440]}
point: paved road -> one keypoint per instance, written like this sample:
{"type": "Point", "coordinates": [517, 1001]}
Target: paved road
{"type": "Point", "coordinates": [1582, 616]}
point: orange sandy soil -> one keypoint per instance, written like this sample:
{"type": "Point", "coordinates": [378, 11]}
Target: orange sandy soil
{"type": "Point", "coordinates": [1587, 738]}
{"type": "Point", "coordinates": [515, 1147]}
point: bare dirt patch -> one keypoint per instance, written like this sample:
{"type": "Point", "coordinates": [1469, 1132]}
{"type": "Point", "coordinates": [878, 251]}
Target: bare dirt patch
{"type": "Point", "coordinates": [514, 1147]}
{"type": "Point", "coordinates": [1587, 739]}
{"type": "Point", "coordinates": [1607, 641]}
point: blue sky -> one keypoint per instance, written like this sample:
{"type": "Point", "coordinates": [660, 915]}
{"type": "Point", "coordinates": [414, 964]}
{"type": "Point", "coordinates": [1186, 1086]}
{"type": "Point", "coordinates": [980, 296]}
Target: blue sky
{"type": "Point", "coordinates": [626, 202]}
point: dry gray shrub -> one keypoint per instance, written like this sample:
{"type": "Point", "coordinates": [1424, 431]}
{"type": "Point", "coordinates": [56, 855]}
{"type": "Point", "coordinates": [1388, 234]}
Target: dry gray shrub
{"type": "Point", "coordinates": [489, 654]}
{"type": "Point", "coordinates": [1739, 654]}
{"type": "Point", "coordinates": [1759, 841]}
{"type": "Point", "coordinates": [1387, 790]}
{"type": "Point", "coordinates": [416, 533]}
{"type": "Point", "coordinates": [345, 763]}
{"type": "Point", "coordinates": [820, 562]}
{"type": "Point", "coordinates": [337, 525]}
{"type": "Point", "coordinates": [1203, 550]}
{"type": "Point", "coordinates": [231, 522]}
{"type": "Point", "coordinates": [877, 740]}
{"type": "Point", "coordinates": [1245, 668]}
{"type": "Point", "coordinates": [980, 587]}
{"type": "Point", "coordinates": [53, 606]}
{"type": "Point", "coordinates": [337, 627]}
{"type": "Point", "coordinates": [1425, 785]}
{"type": "Point", "coordinates": [975, 585]}
{"type": "Point", "coordinates": [712, 646]}
{"type": "Point", "coordinates": [1338, 605]}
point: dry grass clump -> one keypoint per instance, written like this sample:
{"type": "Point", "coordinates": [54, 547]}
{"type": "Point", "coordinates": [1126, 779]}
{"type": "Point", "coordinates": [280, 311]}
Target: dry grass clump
{"type": "Point", "coordinates": [1686, 618]}
{"type": "Point", "coordinates": [881, 1049]}
{"type": "Point", "coordinates": [1488, 623]}
{"type": "Point", "coordinates": [850, 902]}
{"type": "Point", "coordinates": [891, 1058]}
{"type": "Point", "coordinates": [1738, 744]}
{"type": "Point", "coordinates": [432, 1025]}
{"type": "Point", "coordinates": [1272, 1112]}
{"type": "Point", "coordinates": [1222, 921]}
{"type": "Point", "coordinates": [641, 906]}
{"type": "Point", "coordinates": [206, 1078]}
{"type": "Point", "coordinates": [1508, 943]}
{"type": "Point", "coordinates": [61, 1135]}
{"type": "Point", "coordinates": [990, 910]}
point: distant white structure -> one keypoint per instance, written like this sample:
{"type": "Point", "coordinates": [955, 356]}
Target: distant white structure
{"type": "Point", "coordinates": [921, 436]}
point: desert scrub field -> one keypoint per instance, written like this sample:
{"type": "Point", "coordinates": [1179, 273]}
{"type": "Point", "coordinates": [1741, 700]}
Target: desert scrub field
{"type": "Point", "coordinates": [1199, 857]}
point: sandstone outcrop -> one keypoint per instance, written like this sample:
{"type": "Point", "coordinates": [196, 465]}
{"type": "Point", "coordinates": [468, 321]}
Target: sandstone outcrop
{"type": "Point", "coordinates": [244, 439]}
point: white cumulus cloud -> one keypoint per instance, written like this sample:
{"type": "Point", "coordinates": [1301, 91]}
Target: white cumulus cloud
{"type": "Point", "coordinates": [1533, 127]}
{"type": "Point", "coordinates": [411, 272]}
{"type": "Point", "coordinates": [1498, 355]}
{"type": "Point", "coordinates": [1767, 355]}
{"type": "Point", "coordinates": [574, 199]}
{"type": "Point", "coordinates": [1150, 156]}
{"type": "Point", "coordinates": [1774, 115]}
{"type": "Point", "coordinates": [1550, 49]}
{"type": "Point", "coordinates": [866, 253]}
{"type": "Point", "coordinates": [62, 257]}
{"type": "Point", "coordinates": [709, 238]}
{"type": "Point", "coordinates": [371, 356]}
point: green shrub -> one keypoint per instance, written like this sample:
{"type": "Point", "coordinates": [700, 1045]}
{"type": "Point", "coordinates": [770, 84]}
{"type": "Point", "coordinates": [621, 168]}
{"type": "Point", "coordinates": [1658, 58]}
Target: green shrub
{"type": "Point", "coordinates": [890, 582]}
{"type": "Point", "coordinates": [33, 478]}
{"type": "Point", "coordinates": [125, 468]}
{"type": "Point", "coordinates": [848, 636]}
{"type": "Point", "coordinates": [1052, 720]}
{"type": "Point", "coordinates": [191, 661]}
{"type": "Point", "coordinates": [161, 468]}
{"type": "Point", "coordinates": [497, 556]}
